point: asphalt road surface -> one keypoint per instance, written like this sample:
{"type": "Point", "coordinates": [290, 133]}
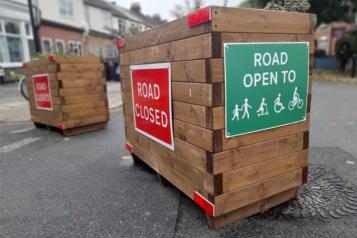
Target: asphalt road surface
{"type": "Point", "coordinates": [51, 186]}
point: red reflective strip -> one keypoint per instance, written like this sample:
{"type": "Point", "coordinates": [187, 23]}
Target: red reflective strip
{"type": "Point", "coordinates": [129, 147]}
{"type": "Point", "coordinates": [203, 203]}
{"type": "Point", "coordinates": [51, 58]}
{"type": "Point", "coordinates": [119, 43]}
{"type": "Point", "coordinates": [199, 17]}
{"type": "Point", "coordinates": [60, 126]}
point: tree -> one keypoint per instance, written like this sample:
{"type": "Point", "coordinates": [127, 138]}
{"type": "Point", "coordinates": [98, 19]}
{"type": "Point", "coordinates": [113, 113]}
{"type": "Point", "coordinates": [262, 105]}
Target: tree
{"type": "Point", "coordinates": [333, 10]}
{"type": "Point", "coordinates": [187, 7]}
{"type": "Point", "coordinates": [326, 10]}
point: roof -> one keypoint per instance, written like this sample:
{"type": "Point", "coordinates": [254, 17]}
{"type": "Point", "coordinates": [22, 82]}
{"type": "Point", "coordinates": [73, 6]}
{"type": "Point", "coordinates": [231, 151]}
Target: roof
{"type": "Point", "coordinates": [130, 15]}
{"type": "Point", "coordinates": [119, 11]}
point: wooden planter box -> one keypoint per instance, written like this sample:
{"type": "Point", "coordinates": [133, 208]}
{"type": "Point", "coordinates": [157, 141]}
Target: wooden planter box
{"type": "Point", "coordinates": [230, 178]}
{"type": "Point", "coordinates": [70, 93]}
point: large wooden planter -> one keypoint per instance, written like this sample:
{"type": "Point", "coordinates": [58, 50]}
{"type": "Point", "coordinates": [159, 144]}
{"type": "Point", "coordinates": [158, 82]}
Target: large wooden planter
{"type": "Point", "coordinates": [73, 97]}
{"type": "Point", "coordinates": [230, 178]}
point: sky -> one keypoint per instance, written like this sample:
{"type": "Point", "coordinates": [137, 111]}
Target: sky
{"type": "Point", "coordinates": [163, 7]}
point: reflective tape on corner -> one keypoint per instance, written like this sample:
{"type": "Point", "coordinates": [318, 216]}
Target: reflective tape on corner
{"type": "Point", "coordinates": [199, 17]}
{"type": "Point", "coordinates": [203, 203]}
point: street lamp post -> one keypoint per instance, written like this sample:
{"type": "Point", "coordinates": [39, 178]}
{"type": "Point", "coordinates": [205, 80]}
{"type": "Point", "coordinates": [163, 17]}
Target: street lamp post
{"type": "Point", "coordinates": [34, 28]}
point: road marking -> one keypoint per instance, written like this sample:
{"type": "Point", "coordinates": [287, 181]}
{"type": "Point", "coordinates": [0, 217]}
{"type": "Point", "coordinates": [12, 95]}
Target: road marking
{"type": "Point", "coordinates": [18, 144]}
{"type": "Point", "coordinates": [22, 130]}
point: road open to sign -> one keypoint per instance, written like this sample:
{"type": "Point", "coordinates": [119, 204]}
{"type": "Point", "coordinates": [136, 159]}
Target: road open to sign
{"type": "Point", "coordinates": [266, 85]}
{"type": "Point", "coordinates": [42, 91]}
{"type": "Point", "coordinates": [151, 89]}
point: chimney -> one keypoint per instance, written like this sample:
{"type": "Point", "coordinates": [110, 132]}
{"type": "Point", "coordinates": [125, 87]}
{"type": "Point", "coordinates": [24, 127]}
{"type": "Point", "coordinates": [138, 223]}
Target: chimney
{"type": "Point", "coordinates": [135, 7]}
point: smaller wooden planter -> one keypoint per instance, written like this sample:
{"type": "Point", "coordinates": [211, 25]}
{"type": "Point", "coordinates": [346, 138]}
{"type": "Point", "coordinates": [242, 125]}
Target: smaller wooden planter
{"type": "Point", "coordinates": [68, 93]}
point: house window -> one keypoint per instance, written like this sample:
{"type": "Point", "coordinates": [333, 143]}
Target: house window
{"type": "Point", "coordinates": [12, 28]}
{"type": "Point", "coordinates": [110, 53]}
{"type": "Point", "coordinates": [75, 48]}
{"type": "Point", "coordinates": [106, 19]}
{"type": "Point", "coordinates": [47, 45]}
{"type": "Point", "coordinates": [28, 30]}
{"type": "Point", "coordinates": [60, 48]}
{"type": "Point", "coordinates": [66, 7]}
{"type": "Point", "coordinates": [11, 42]}
{"type": "Point", "coordinates": [322, 43]}
{"type": "Point", "coordinates": [96, 50]}
{"type": "Point", "coordinates": [121, 24]}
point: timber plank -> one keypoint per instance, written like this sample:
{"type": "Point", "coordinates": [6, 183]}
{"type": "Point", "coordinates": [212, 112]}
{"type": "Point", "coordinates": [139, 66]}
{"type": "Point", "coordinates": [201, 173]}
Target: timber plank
{"type": "Point", "coordinates": [248, 195]}
{"type": "Point", "coordinates": [261, 21]}
{"type": "Point", "coordinates": [73, 76]}
{"type": "Point", "coordinates": [194, 135]}
{"type": "Point", "coordinates": [238, 178]}
{"type": "Point", "coordinates": [84, 106]}
{"type": "Point", "coordinates": [82, 83]}
{"type": "Point", "coordinates": [236, 142]}
{"type": "Point", "coordinates": [69, 100]}
{"type": "Point", "coordinates": [260, 206]}
{"type": "Point", "coordinates": [193, 114]}
{"type": "Point", "coordinates": [194, 71]}
{"type": "Point", "coordinates": [252, 154]}
{"type": "Point", "coordinates": [185, 166]}
{"type": "Point", "coordinates": [198, 93]}
{"type": "Point", "coordinates": [171, 31]}
{"type": "Point", "coordinates": [81, 91]}
{"type": "Point", "coordinates": [85, 113]}
{"type": "Point", "coordinates": [197, 47]}
{"type": "Point", "coordinates": [80, 67]}
{"type": "Point", "coordinates": [249, 37]}
{"type": "Point", "coordinates": [176, 179]}
{"type": "Point", "coordinates": [85, 121]}
{"type": "Point", "coordinates": [189, 71]}
{"type": "Point", "coordinates": [192, 154]}
{"type": "Point", "coordinates": [66, 59]}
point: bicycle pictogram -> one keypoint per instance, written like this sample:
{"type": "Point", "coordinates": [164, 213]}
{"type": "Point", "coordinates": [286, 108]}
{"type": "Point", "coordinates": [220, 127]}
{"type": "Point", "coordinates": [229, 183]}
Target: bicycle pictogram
{"type": "Point", "coordinates": [296, 102]}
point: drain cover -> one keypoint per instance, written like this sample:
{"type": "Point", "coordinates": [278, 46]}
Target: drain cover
{"type": "Point", "coordinates": [326, 195]}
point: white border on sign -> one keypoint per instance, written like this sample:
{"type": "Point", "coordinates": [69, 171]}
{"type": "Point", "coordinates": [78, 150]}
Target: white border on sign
{"type": "Point", "coordinates": [225, 85]}
{"type": "Point", "coordinates": [154, 66]}
{"type": "Point", "coordinates": [49, 90]}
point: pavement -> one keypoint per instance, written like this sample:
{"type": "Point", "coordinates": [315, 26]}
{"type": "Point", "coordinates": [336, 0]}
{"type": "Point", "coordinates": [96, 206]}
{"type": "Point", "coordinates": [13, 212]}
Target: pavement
{"type": "Point", "coordinates": [84, 186]}
{"type": "Point", "coordinates": [13, 107]}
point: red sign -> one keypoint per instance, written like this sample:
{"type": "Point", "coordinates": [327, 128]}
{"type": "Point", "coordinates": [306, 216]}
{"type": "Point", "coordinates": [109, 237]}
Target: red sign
{"type": "Point", "coordinates": [42, 91]}
{"type": "Point", "coordinates": [151, 88]}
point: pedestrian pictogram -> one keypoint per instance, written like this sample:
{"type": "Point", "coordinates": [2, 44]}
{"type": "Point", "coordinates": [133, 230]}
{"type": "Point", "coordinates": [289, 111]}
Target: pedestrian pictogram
{"type": "Point", "coordinates": [246, 108]}
{"type": "Point", "coordinates": [266, 85]}
{"type": "Point", "coordinates": [236, 113]}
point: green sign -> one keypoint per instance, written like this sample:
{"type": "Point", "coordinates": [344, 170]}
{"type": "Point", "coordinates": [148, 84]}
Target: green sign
{"type": "Point", "coordinates": [266, 85]}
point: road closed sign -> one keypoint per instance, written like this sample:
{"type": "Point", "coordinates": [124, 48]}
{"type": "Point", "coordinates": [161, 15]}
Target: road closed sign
{"type": "Point", "coordinates": [151, 90]}
{"type": "Point", "coordinates": [266, 85]}
{"type": "Point", "coordinates": [42, 91]}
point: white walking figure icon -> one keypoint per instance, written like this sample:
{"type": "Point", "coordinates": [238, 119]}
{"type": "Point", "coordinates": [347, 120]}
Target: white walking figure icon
{"type": "Point", "coordinates": [296, 102]}
{"type": "Point", "coordinates": [245, 108]}
{"type": "Point", "coordinates": [278, 106]}
{"type": "Point", "coordinates": [263, 109]}
{"type": "Point", "coordinates": [236, 113]}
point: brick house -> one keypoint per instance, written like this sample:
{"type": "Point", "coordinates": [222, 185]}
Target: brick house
{"type": "Point", "coordinates": [62, 27]}
{"type": "Point", "coordinates": [326, 36]}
